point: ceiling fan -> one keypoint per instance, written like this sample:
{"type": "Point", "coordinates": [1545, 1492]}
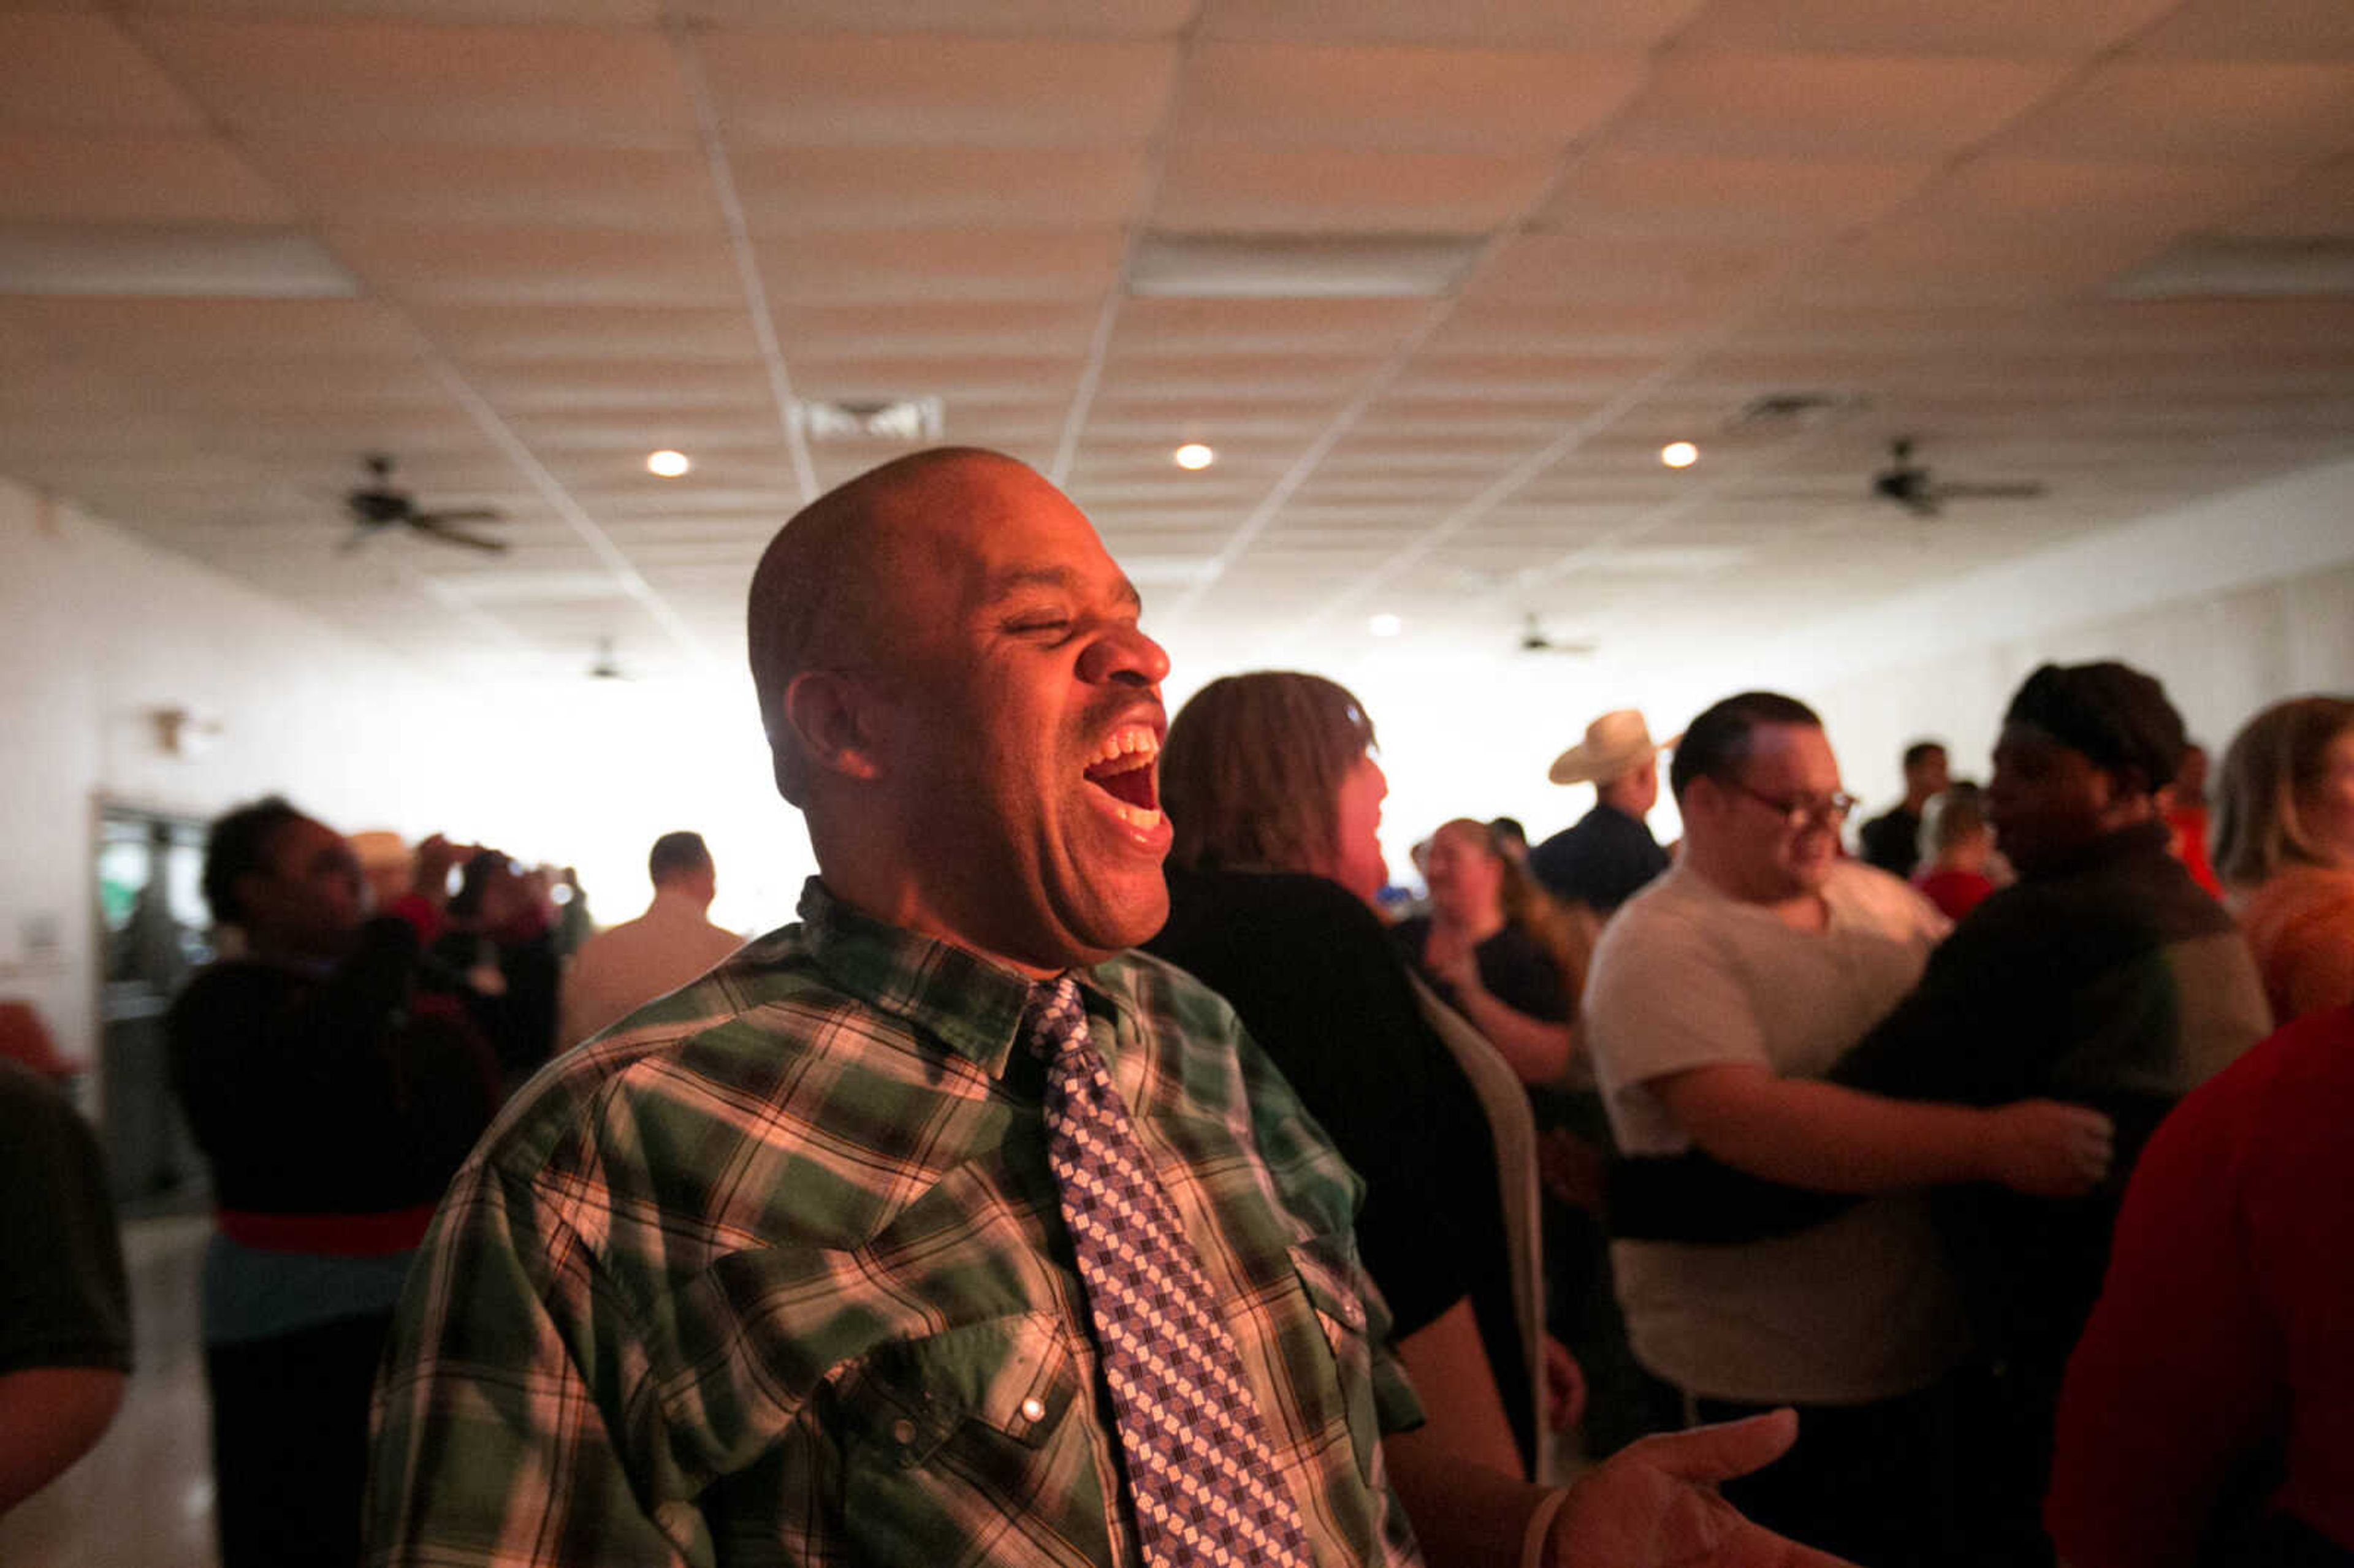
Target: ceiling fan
{"type": "Point", "coordinates": [1911, 487]}
{"type": "Point", "coordinates": [378, 506]}
{"type": "Point", "coordinates": [1534, 639]}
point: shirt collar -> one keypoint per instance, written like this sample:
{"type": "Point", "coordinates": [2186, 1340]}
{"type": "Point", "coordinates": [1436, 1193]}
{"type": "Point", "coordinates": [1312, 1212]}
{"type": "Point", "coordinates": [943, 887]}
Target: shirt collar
{"type": "Point", "coordinates": [972, 1005]}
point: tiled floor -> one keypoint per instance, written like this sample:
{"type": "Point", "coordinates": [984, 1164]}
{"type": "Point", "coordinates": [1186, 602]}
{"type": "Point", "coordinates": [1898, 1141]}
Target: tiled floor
{"type": "Point", "coordinates": [143, 1498]}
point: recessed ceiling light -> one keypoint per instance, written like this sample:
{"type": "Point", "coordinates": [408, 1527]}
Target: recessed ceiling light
{"type": "Point", "coordinates": [668, 464]}
{"type": "Point", "coordinates": [1386, 625]}
{"type": "Point", "coordinates": [1193, 455]}
{"type": "Point", "coordinates": [1680, 454]}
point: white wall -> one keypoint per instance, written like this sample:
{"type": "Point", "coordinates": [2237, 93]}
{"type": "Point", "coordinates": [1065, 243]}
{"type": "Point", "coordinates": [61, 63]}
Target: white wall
{"type": "Point", "coordinates": [2233, 603]}
{"type": "Point", "coordinates": [98, 630]}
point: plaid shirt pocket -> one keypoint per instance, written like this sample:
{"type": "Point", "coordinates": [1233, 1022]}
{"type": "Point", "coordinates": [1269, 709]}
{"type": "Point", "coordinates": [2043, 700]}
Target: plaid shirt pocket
{"type": "Point", "coordinates": [946, 1437]}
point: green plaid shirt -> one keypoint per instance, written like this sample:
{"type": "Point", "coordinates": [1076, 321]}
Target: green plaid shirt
{"type": "Point", "coordinates": [773, 1272]}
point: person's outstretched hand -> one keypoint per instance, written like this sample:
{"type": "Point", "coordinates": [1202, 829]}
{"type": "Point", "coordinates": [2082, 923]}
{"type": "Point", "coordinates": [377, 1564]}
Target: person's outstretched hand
{"type": "Point", "coordinates": [1654, 1504]}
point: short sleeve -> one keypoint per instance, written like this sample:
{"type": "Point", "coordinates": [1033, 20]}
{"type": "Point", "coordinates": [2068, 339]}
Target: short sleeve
{"type": "Point", "coordinates": [63, 1300]}
{"type": "Point", "coordinates": [1662, 999]}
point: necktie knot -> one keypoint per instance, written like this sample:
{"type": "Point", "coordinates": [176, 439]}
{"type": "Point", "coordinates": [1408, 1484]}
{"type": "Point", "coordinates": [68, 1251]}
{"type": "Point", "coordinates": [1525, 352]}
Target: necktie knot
{"type": "Point", "coordinates": [1055, 1018]}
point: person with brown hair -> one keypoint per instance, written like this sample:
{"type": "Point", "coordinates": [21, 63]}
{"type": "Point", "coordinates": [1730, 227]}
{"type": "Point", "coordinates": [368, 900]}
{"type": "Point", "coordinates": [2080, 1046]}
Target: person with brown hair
{"type": "Point", "coordinates": [2284, 849]}
{"type": "Point", "coordinates": [1275, 801]}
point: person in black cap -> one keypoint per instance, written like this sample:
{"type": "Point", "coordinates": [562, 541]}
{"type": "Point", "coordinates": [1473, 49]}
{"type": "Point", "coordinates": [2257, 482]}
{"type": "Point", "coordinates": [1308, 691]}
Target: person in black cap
{"type": "Point", "coordinates": [2106, 977]}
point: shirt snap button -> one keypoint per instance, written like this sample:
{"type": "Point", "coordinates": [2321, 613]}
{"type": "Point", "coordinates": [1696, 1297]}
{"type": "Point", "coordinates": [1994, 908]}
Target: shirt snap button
{"type": "Point", "coordinates": [903, 1430]}
{"type": "Point", "coordinates": [1033, 1410]}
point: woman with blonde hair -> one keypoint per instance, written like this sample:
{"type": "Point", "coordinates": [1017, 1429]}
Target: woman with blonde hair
{"type": "Point", "coordinates": [1499, 952]}
{"type": "Point", "coordinates": [2284, 849]}
{"type": "Point", "coordinates": [1274, 795]}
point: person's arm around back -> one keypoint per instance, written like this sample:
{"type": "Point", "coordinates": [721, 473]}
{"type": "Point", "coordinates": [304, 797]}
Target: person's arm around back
{"type": "Point", "coordinates": [1836, 1139]}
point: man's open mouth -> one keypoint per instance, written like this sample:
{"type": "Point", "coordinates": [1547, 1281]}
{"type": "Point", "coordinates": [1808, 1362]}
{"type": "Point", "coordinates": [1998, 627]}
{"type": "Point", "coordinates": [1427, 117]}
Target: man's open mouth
{"type": "Point", "coordinates": [1123, 769]}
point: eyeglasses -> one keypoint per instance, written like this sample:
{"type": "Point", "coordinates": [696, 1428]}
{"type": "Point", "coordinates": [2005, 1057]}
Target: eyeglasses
{"type": "Point", "coordinates": [1798, 810]}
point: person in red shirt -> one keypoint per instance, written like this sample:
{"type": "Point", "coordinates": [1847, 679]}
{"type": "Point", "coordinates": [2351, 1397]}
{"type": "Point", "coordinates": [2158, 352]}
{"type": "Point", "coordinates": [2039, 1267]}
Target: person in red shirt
{"type": "Point", "coordinates": [1958, 844]}
{"type": "Point", "coordinates": [2208, 1414]}
{"type": "Point", "coordinates": [2185, 815]}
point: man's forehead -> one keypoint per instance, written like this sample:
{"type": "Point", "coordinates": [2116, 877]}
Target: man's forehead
{"type": "Point", "coordinates": [1008, 581]}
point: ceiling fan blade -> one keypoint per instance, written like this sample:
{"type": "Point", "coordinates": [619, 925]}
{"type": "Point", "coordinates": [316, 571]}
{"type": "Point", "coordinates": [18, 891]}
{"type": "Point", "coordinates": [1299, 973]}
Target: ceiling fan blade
{"type": "Point", "coordinates": [463, 514]}
{"type": "Point", "coordinates": [433, 527]}
{"type": "Point", "coordinates": [2026, 490]}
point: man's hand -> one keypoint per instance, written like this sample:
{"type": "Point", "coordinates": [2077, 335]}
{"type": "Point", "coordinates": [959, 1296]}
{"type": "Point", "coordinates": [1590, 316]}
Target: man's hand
{"type": "Point", "coordinates": [2049, 1149]}
{"type": "Point", "coordinates": [1654, 1504]}
{"type": "Point", "coordinates": [1564, 1387]}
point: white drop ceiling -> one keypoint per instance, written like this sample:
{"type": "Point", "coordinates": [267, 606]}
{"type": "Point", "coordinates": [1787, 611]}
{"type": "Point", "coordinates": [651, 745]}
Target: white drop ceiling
{"type": "Point", "coordinates": [577, 230]}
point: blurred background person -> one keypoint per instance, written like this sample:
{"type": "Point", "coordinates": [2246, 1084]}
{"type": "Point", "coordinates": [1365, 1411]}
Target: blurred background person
{"type": "Point", "coordinates": [65, 1310]}
{"type": "Point", "coordinates": [1499, 951]}
{"type": "Point", "coordinates": [1957, 850]}
{"type": "Point", "coordinates": [2208, 1416]}
{"type": "Point", "coordinates": [618, 971]}
{"type": "Point", "coordinates": [498, 935]}
{"type": "Point", "coordinates": [2284, 849]}
{"type": "Point", "coordinates": [1272, 788]}
{"type": "Point", "coordinates": [1893, 840]}
{"type": "Point", "coordinates": [2186, 818]}
{"type": "Point", "coordinates": [1512, 839]}
{"type": "Point", "coordinates": [334, 1086]}
{"type": "Point", "coordinates": [1608, 855]}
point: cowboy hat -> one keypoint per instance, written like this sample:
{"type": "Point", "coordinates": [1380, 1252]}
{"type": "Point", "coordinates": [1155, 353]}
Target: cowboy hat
{"type": "Point", "coordinates": [1614, 743]}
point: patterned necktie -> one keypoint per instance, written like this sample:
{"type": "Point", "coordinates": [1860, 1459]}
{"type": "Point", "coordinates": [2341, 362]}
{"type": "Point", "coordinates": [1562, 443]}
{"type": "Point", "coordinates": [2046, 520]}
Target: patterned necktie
{"type": "Point", "coordinates": [1200, 1470]}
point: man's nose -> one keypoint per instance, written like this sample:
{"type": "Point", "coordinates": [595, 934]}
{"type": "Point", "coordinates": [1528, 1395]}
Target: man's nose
{"type": "Point", "coordinates": [1124, 654]}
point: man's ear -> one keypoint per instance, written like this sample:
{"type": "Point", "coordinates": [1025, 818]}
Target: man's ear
{"type": "Point", "coordinates": [834, 719]}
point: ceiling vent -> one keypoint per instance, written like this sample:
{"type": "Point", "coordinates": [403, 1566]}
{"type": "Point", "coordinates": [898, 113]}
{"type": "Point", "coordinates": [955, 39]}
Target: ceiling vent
{"type": "Point", "coordinates": [910, 422]}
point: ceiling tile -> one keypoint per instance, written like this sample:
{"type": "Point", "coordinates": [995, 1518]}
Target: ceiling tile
{"type": "Point", "coordinates": [1706, 197]}
{"type": "Point", "coordinates": [135, 177]}
{"type": "Point", "coordinates": [634, 188]}
{"type": "Point", "coordinates": [540, 266]}
{"type": "Point", "coordinates": [366, 80]}
{"type": "Point", "coordinates": [2236, 29]}
{"type": "Point", "coordinates": [934, 90]}
{"type": "Point", "coordinates": [524, 333]}
{"type": "Point", "coordinates": [1043, 265]}
{"type": "Point", "coordinates": [1432, 100]}
{"type": "Point", "coordinates": [792, 189]}
{"type": "Point", "coordinates": [1624, 269]}
{"type": "Point", "coordinates": [1994, 30]}
{"type": "Point", "coordinates": [1619, 24]}
{"type": "Point", "coordinates": [1233, 188]}
{"type": "Point", "coordinates": [1057, 18]}
{"type": "Point", "coordinates": [899, 329]}
{"type": "Point", "coordinates": [2265, 114]}
{"type": "Point", "coordinates": [1813, 106]}
{"type": "Point", "coordinates": [61, 72]}
{"type": "Point", "coordinates": [2322, 203]}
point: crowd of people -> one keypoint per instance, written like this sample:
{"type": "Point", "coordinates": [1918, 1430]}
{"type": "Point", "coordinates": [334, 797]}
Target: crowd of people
{"type": "Point", "coordinates": [1107, 1167]}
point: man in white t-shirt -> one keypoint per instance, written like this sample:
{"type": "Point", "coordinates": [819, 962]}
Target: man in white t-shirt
{"type": "Point", "coordinates": [624, 967]}
{"type": "Point", "coordinates": [1719, 996]}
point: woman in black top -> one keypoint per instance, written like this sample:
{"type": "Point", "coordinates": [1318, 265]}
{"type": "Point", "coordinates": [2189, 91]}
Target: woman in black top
{"type": "Point", "coordinates": [1276, 799]}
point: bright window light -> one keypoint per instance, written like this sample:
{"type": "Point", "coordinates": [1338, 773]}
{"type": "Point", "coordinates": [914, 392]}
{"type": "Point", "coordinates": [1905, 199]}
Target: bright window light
{"type": "Point", "coordinates": [1680, 454]}
{"type": "Point", "coordinates": [1386, 625]}
{"type": "Point", "coordinates": [1193, 455]}
{"type": "Point", "coordinates": [668, 464]}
